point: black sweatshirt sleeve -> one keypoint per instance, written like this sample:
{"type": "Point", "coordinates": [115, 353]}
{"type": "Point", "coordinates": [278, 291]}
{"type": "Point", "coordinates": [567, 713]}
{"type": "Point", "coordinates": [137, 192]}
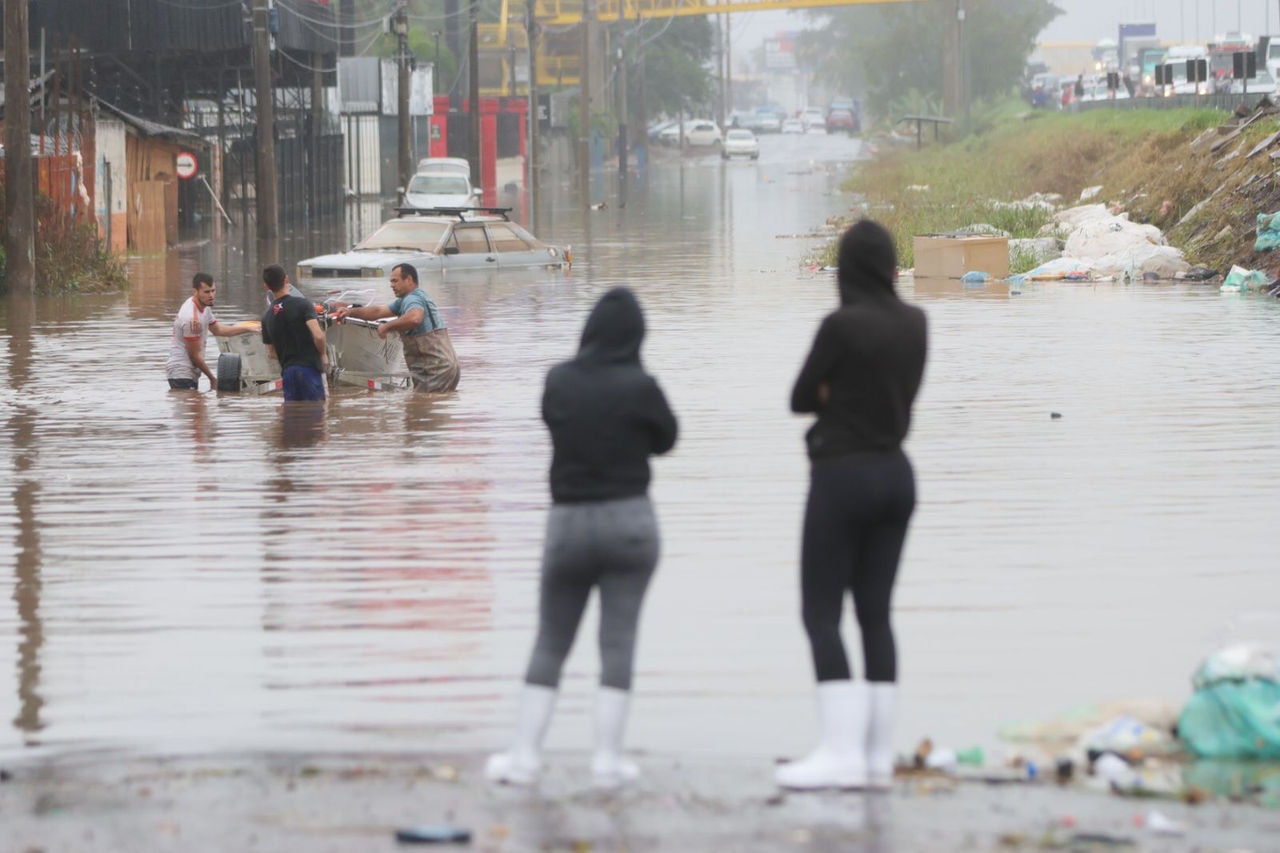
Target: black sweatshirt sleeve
{"type": "Point", "coordinates": [817, 367]}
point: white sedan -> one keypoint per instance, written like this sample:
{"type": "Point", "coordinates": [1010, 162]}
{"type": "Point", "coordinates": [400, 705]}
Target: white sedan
{"type": "Point", "coordinates": [697, 133]}
{"type": "Point", "coordinates": [740, 142]}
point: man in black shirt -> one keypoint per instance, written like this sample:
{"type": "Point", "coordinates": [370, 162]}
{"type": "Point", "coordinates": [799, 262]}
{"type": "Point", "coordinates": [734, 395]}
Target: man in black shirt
{"type": "Point", "coordinates": [292, 333]}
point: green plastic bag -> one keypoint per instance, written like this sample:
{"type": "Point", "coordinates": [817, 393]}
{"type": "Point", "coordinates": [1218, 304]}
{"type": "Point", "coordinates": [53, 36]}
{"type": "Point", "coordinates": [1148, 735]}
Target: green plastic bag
{"type": "Point", "coordinates": [1233, 719]}
{"type": "Point", "coordinates": [1268, 232]}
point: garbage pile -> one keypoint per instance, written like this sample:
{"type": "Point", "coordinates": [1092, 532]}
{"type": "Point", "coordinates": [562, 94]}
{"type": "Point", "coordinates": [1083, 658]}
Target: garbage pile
{"type": "Point", "coordinates": [1225, 741]}
{"type": "Point", "coordinates": [1100, 245]}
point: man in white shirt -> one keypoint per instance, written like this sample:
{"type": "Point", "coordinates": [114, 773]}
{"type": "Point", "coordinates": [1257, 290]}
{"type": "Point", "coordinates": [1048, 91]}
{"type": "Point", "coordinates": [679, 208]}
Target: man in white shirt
{"type": "Point", "coordinates": [191, 330]}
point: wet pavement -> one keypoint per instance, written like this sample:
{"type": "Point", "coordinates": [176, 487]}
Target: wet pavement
{"type": "Point", "coordinates": [208, 575]}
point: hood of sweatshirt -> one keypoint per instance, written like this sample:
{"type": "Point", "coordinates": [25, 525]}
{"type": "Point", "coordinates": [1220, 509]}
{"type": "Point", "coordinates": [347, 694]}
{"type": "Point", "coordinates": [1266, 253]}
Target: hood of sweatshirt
{"type": "Point", "coordinates": [866, 263]}
{"type": "Point", "coordinates": [614, 330]}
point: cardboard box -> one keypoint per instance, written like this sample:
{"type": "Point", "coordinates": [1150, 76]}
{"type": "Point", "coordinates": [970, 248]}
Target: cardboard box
{"type": "Point", "coordinates": [951, 256]}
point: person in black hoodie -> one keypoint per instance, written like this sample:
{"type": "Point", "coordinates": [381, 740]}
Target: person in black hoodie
{"type": "Point", "coordinates": [606, 417]}
{"type": "Point", "coordinates": [861, 379]}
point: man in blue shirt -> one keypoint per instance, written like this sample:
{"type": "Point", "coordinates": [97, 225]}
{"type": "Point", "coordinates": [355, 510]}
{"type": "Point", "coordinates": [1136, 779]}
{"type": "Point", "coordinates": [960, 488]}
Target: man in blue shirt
{"type": "Point", "coordinates": [292, 333]}
{"type": "Point", "coordinates": [428, 350]}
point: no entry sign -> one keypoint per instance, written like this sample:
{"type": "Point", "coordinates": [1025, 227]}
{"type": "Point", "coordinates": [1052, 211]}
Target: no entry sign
{"type": "Point", "coordinates": [185, 164]}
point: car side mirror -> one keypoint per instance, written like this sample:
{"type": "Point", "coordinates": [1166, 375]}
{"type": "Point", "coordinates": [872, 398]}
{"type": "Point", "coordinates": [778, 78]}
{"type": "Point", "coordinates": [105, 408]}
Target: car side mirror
{"type": "Point", "coordinates": [477, 192]}
{"type": "Point", "coordinates": [451, 250]}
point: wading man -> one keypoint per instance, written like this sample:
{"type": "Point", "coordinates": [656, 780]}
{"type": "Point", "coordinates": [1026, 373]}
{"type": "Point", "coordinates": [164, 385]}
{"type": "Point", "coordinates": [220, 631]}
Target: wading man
{"type": "Point", "coordinates": [191, 330]}
{"type": "Point", "coordinates": [428, 350]}
{"type": "Point", "coordinates": [292, 333]}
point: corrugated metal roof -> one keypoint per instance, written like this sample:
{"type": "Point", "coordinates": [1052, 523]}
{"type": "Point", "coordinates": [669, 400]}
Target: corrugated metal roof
{"type": "Point", "coordinates": [150, 128]}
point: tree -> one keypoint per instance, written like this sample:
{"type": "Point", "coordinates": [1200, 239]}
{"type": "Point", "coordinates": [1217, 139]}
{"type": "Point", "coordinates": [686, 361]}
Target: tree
{"type": "Point", "coordinates": [896, 50]}
{"type": "Point", "coordinates": [677, 57]}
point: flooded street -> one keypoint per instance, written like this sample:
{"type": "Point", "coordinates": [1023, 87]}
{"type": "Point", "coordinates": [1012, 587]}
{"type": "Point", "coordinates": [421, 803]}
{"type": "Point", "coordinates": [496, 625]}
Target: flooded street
{"type": "Point", "coordinates": [204, 573]}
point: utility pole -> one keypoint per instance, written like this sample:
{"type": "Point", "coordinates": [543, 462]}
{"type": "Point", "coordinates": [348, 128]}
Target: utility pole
{"type": "Point", "coordinates": [400, 26]}
{"type": "Point", "coordinates": [268, 213]}
{"type": "Point", "coordinates": [584, 109]}
{"type": "Point", "coordinates": [19, 205]}
{"type": "Point", "coordinates": [622, 121]}
{"type": "Point", "coordinates": [532, 160]}
{"type": "Point", "coordinates": [473, 76]}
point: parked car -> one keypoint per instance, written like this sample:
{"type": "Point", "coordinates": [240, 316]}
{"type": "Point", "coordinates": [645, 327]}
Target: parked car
{"type": "Point", "coordinates": [443, 241]}
{"type": "Point", "coordinates": [842, 120]}
{"type": "Point", "coordinates": [792, 125]}
{"type": "Point", "coordinates": [813, 119]}
{"type": "Point", "coordinates": [434, 189]}
{"type": "Point", "coordinates": [1263, 84]}
{"type": "Point", "coordinates": [454, 165]}
{"type": "Point", "coordinates": [740, 142]}
{"type": "Point", "coordinates": [768, 119]}
{"type": "Point", "coordinates": [697, 133]}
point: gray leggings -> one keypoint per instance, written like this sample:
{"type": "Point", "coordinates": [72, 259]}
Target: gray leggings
{"type": "Point", "coordinates": [609, 544]}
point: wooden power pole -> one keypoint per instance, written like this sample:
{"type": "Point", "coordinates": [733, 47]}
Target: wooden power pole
{"type": "Point", "coordinates": [401, 27]}
{"type": "Point", "coordinates": [584, 109]}
{"type": "Point", "coordinates": [19, 206]}
{"type": "Point", "coordinates": [268, 211]}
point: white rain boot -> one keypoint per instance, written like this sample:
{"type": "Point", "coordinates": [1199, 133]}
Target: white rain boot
{"type": "Point", "coordinates": [840, 761]}
{"type": "Point", "coordinates": [522, 763]}
{"type": "Point", "coordinates": [609, 769]}
{"type": "Point", "coordinates": [883, 703]}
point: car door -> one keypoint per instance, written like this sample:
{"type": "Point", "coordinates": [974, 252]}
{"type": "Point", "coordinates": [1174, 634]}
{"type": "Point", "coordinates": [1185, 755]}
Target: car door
{"type": "Point", "coordinates": [513, 249]}
{"type": "Point", "coordinates": [467, 247]}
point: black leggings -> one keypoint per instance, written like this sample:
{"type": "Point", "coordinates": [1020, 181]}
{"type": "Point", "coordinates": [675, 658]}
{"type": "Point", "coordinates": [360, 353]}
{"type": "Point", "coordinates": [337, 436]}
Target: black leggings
{"type": "Point", "coordinates": [854, 525]}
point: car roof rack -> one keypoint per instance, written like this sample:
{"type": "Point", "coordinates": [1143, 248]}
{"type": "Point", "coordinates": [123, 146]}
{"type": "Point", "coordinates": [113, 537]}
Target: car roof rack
{"type": "Point", "coordinates": [454, 211]}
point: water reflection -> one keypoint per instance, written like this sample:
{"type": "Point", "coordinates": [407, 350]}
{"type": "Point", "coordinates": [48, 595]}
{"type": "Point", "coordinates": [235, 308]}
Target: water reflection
{"type": "Point", "coordinates": [28, 582]}
{"type": "Point", "coordinates": [302, 424]}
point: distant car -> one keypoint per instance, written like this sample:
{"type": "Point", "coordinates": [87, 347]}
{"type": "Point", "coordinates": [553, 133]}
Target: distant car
{"type": "Point", "coordinates": [450, 241]}
{"type": "Point", "coordinates": [840, 119]}
{"type": "Point", "coordinates": [793, 125]}
{"type": "Point", "coordinates": [813, 119]}
{"type": "Point", "coordinates": [440, 189]}
{"type": "Point", "coordinates": [453, 165]}
{"type": "Point", "coordinates": [655, 129]}
{"type": "Point", "coordinates": [698, 133]}
{"type": "Point", "coordinates": [768, 120]}
{"type": "Point", "coordinates": [740, 142]}
{"type": "Point", "coordinates": [1263, 84]}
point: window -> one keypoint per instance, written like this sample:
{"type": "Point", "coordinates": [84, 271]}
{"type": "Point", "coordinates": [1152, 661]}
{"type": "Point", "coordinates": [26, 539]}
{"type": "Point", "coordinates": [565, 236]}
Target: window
{"type": "Point", "coordinates": [405, 234]}
{"type": "Point", "coordinates": [505, 238]}
{"type": "Point", "coordinates": [470, 239]}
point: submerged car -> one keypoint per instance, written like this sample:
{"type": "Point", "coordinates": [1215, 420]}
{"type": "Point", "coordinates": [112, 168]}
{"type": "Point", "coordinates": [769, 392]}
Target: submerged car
{"type": "Point", "coordinates": [793, 125]}
{"type": "Point", "coordinates": [740, 142]}
{"type": "Point", "coordinates": [434, 240]}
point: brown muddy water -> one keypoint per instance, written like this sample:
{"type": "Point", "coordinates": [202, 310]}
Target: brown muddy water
{"type": "Point", "coordinates": [208, 573]}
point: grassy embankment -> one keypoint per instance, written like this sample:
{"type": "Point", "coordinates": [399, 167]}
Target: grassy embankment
{"type": "Point", "coordinates": [1143, 160]}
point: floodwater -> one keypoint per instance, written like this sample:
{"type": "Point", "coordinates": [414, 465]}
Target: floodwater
{"type": "Point", "coordinates": [205, 573]}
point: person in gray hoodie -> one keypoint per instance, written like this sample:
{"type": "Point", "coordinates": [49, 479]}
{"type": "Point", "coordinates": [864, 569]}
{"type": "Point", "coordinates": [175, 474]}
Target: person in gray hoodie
{"type": "Point", "coordinates": [860, 379]}
{"type": "Point", "coordinates": [606, 416]}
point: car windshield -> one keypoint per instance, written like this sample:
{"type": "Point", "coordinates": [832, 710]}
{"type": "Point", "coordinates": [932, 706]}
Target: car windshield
{"type": "Point", "coordinates": [741, 134]}
{"type": "Point", "coordinates": [441, 184]}
{"type": "Point", "coordinates": [406, 234]}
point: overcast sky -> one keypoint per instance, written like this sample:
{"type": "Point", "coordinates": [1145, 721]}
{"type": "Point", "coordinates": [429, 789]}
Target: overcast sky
{"type": "Point", "coordinates": [1176, 20]}
{"type": "Point", "coordinates": [1087, 20]}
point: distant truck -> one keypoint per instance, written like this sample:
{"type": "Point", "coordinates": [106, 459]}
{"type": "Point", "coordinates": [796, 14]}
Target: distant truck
{"type": "Point", "coordinates": [1269, 54]}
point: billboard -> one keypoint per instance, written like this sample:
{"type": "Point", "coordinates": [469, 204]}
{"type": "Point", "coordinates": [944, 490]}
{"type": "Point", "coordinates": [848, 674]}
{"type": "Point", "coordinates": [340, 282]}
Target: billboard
{"type": "Point", "coordinates": [780, 53]}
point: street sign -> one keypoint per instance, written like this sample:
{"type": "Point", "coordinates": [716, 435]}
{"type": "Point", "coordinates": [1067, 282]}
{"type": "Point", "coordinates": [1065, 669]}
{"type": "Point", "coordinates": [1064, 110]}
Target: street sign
{"type": "Point", "coordinates": [185, 164]}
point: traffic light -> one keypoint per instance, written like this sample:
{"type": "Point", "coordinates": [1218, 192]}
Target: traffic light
{"type": "Point", "coordinates": [1197, 70]}
{"type": "Point", "coordinates": [1164, 75]}
{"type": "Point", "coordinates": [1244, 65]}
